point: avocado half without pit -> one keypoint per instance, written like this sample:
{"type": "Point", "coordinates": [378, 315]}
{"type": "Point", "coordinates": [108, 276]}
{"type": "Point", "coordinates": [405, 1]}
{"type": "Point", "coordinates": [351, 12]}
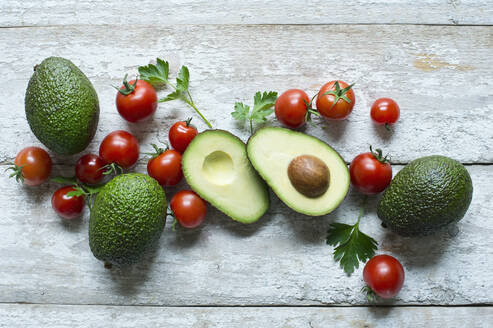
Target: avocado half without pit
{"type": "Point", "coordinates": [216, 166]}
{"type": "Point", "coordinates": [306, 173]}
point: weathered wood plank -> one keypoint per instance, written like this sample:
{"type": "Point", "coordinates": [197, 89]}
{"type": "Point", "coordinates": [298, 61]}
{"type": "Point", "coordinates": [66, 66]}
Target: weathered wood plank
{"type": "Point", "coordinates": [440, 76]}
{"type": "Point", "coordinates": [58, 316]}
{"type": "Point", "coordinates": [39, 13]}
{"type": "Point", "coordinates": [281, 260]}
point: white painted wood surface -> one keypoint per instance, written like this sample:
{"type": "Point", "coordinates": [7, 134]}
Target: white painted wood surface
{"type": "Point", "coordinates": [440, 76]}
{"type": "Point", "coordinates": [58, 316]}
{"type": "Point", "coordinates": [171, 12]}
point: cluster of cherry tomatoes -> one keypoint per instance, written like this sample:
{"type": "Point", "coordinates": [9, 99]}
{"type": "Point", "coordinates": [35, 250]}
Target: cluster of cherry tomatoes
{"type": "Point", "coordinates": [335, 101]}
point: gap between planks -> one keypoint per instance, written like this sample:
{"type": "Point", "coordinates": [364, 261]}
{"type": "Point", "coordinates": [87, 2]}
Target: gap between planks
{"type": "Point", "coordinates": [248, 25]}
{"type": "Point", "coordinates": [410, 305]}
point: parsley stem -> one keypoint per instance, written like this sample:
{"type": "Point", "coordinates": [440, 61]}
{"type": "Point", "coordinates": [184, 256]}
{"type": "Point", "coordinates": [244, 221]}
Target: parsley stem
{"type": "Point", "coordinates": [251, 126]}
{"type": "Point", "coordinates": [191, 104]}
{"type": "Point", "coordinates": [361, 211]}
{"type": "Point", "coordinates": [170, 84]}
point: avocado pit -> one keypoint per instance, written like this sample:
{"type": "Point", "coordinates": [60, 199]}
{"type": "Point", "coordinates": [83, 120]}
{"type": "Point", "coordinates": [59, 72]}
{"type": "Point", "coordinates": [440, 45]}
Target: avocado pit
{"type": "Point", "coordinates": [309, 175]}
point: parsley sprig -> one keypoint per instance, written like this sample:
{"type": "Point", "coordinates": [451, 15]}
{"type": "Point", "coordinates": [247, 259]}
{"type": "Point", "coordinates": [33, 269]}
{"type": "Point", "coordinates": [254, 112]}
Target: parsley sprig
{"type": "Point", "coordinates": [262, 107]}
{"type": "Point", "coordinates": [159, 74]}
{"type": "Point", "coordinates": [351, 245]}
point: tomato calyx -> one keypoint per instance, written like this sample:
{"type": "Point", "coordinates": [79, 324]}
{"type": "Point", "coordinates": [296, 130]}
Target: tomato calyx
{"type": "Point", "coordinates": [112, 168]}
{"type": "Point", "coordinates": [379, 155]}
{"type": "Point", "coordinates": [128, 88]}
{"type": "Point", "coordinates": [187, 121]}
{"type": "Point", "coordinates": [388, 127]}
{"type": "Point", "coordinates": [80, 189]}
{"type": "Point", "coordinates": [339, 93]}
{"type": "Point", "coordinates": [157, 150]}
{"type": "Point", "coordinates": [371, 296]}
{"type": "Point", "coordinates": [17, 172]}
{"type": "Point", "coordinates": [310, 111]}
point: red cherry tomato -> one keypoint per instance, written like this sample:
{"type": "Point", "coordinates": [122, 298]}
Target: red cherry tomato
{"type": "Point", "coordinates": [32, 166]}
{"type": "Point", "coordinates": [120, 147]}
{"type": "Point", "coordinates": [136, 101]}
{"type": "Point", "coordinates": [335, 100]}
{"type": "Point", "coordinates": [166, 168]}
{"type": "Point", "coordinates": [385, 111]}
{"type": "Point", "coordinates": [370, 172]}
{"type": "Point", "coordinates": [384, 274]}
{"type": "Point", "coordinates": [188, 208]}
{"type": "Point", "coordinates": [291, 108]}
{"type": "Point", "coordinates": [68, 207]}
{"type": "Point", "coordinates": [89, 169]}
{"type": "Point", "coordinates": [181, 134]}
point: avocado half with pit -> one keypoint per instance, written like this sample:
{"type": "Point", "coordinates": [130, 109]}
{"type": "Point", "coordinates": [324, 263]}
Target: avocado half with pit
{"type": "Point", "coordinates": [307, 174]}
{"type": "Point", "coordinates": [216, 166]}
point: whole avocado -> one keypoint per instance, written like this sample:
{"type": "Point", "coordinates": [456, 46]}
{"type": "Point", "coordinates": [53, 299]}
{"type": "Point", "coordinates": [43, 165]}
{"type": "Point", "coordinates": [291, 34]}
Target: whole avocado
{"type": "Point", "coordinates": [62, 107]}
{"type": "Point", "coordinates": [127, 218]}
{"type": "Point", "coordinates": [426, 195]}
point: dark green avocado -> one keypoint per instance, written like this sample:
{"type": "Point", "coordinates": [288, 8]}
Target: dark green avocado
{"type": "Point", "coordinates": [425, 196]}
{"type": "Point", "coordinates": [127, 218]}
{"type": "Point", "coordinates": [62, 107]}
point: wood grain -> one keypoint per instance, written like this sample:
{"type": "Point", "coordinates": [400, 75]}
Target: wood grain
{"type": "Point", "coordinates": [281, 260]}
{"type": "Point", "coordinates": [439, 75]}
{"type": "Point", "coordinates": [58, 316]}
{"type": "Point", "coordinates": [156, 12]}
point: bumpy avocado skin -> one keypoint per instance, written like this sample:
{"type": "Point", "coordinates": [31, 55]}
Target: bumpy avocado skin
{"type": "Point", "coordinates": [61, 105]}
{"type": "Point", "coordinates": [428, 194]}
{"type": "Point", "coordinates": [127, 218]}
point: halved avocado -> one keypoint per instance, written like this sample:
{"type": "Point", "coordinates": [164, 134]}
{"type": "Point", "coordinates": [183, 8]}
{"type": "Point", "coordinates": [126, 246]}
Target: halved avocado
{"type": "Point", "coordinates": [216, 166]}
{"type": "Point", "coordinates": [307, 174]}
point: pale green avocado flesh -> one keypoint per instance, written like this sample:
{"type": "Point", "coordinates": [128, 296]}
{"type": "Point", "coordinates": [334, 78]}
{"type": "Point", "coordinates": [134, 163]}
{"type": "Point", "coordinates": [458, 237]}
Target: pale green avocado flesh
{"type": "Point", "coordinates": [272, 149]}
{"type": "Point", "coordinates": [216, 166]}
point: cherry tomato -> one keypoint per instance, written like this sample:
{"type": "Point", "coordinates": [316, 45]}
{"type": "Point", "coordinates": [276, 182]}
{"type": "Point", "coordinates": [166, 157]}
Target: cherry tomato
{"type": "Point", "coordinates": [68, 207]}
{"type": "Point", "coordinates": [120, 147]}
{"type": "Point", "coordinates": [32, 166]}
{"type": "Point", "coordinates": [291, 108]}
{"type": "Point", "coordinates": [181, 134]}
{"type": "Point", "coordinates": [370, 172]}
{"type": "Point", "coordinates": [90, 168]}
{"type": "Point", "coordinates": [385, 111]}
{"type": "Point", "coordinates": [166, 168]}
{"type": "Point", "coordinates": [384, 274]}
{"type": "Point", "coordinates": [189, 209]}
{"type": "Point", "coordinates": [136, 100]}
{"type": "Point", "coordinates": [335, 100]}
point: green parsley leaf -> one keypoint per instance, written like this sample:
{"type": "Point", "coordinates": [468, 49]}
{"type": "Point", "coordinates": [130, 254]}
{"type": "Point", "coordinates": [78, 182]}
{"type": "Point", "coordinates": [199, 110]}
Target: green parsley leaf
{"type": "Point", "coordinates": [241, 112]}
{"type": "Point", "coordinates": [183, 79]}
{"type": "Point", "coordinates": [262, 108]}
{"type": "Point", "coordinates": [339, 233]}
{"type": "Point", "coordinates": [159, 74]}
{"type": "Point", "coordinates": [155, 74]}
{"type": "Point", "coordinates": [172, 96]}
{"type": "Point", "coordinates": [351, 245]}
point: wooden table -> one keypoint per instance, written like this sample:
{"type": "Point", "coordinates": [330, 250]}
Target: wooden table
{"type": "Point", "coordinates": [434, 57]}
